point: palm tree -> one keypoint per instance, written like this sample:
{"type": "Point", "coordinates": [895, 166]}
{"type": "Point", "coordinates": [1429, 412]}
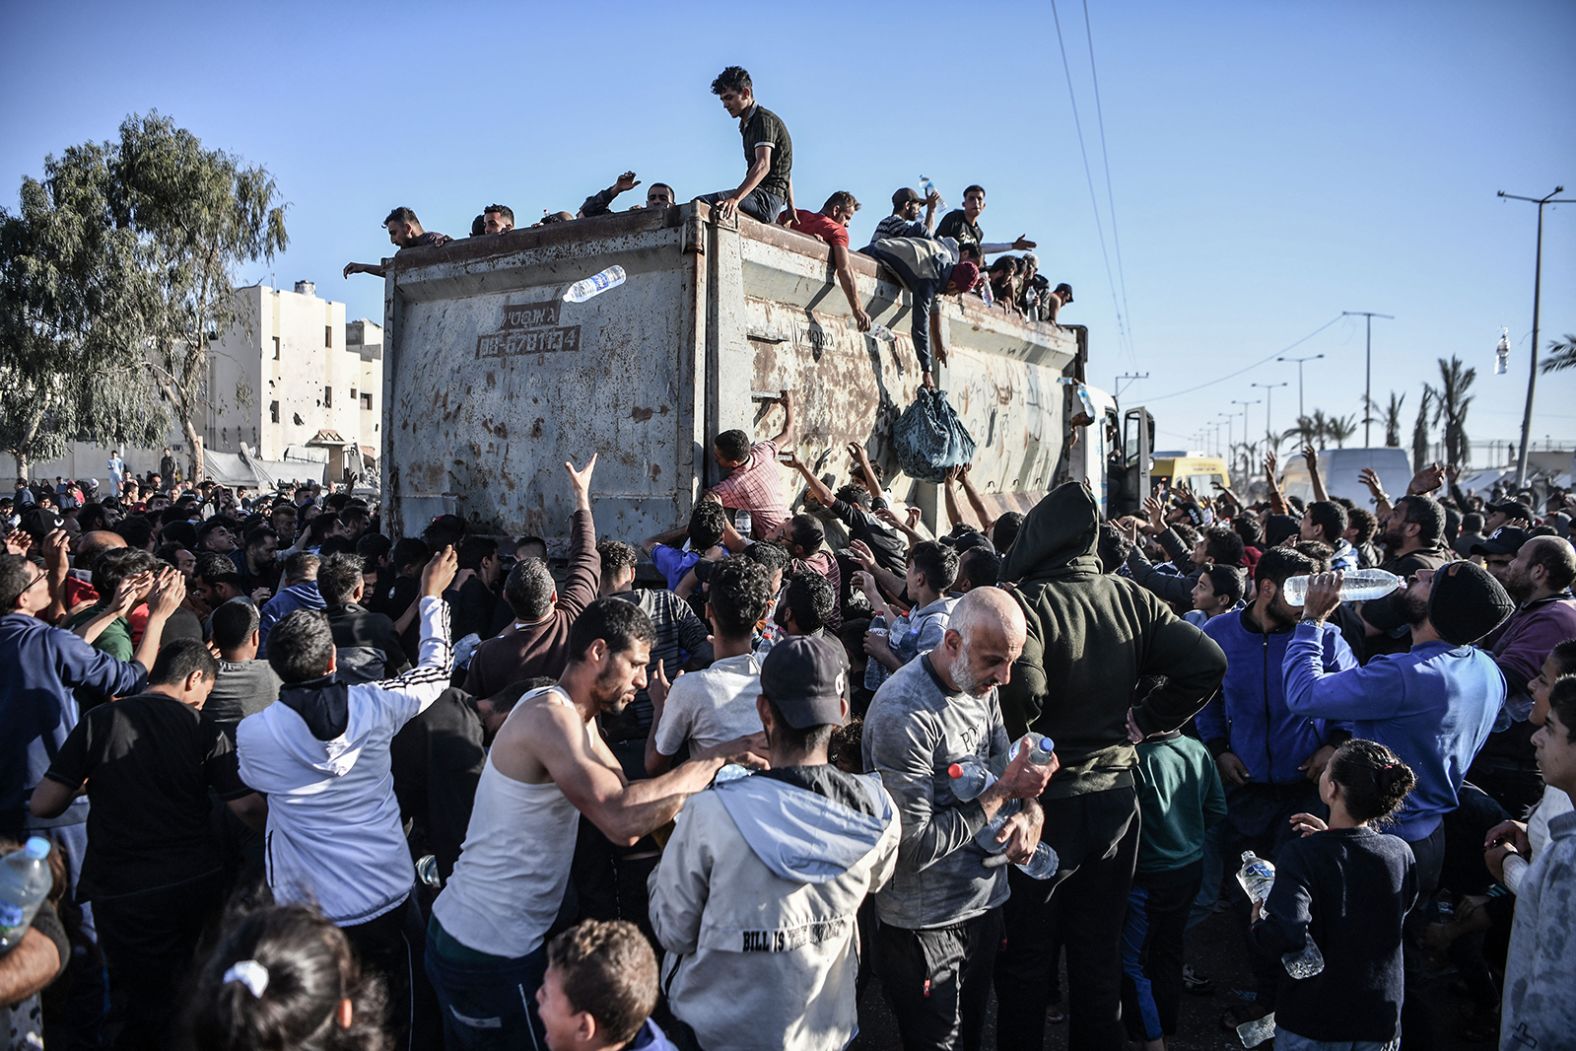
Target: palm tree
{"type": "Point", "coordinates": [1450, 406]}
{"type": "Point", "coordinates": [1420, 430]}
{"type": "Point", "coordinates": [1391, 414]}
{"type": "Point", "coordinates": [1304, 431]}
{"type": "Point", "coordinates": [1562, 354]}
{"type": "Point", "coordinates": [1321, 427]}
{"type": "Point", "coordinates": [1248, 452]}
{"type": "Point", "coordinates": [1340, 428]}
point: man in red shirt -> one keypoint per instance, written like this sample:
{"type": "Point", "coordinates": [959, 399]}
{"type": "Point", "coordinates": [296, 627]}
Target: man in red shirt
{"type": "Point", "coordinates": [830, 224]}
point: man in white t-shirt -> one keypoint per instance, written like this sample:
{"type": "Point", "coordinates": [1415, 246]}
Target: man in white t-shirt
{"type": "Point", "coordinates": [713, 709]}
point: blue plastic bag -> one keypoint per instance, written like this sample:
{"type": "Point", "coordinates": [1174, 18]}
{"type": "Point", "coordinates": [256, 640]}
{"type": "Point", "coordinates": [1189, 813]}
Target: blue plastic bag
{"type": "Point", "coordinates": [929, 437]}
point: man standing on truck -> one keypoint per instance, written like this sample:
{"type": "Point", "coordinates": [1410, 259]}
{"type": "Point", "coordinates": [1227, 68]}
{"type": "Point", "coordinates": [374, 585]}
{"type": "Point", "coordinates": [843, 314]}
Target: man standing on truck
{"type": "Point", "coordinates": [404, 232]}
{"type": "Point", "coordinates": [928, 268]}
{"type": "Point", "coordinates": [768, 151]}
{"type": "Point", "coordinates": [830, 224]}
{"type": "Point", "coordinates": [904, 220]}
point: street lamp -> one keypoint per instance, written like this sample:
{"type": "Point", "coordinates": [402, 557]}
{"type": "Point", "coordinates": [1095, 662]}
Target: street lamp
{"type": "Point", "coordinates": [1229, 418]}
{"type": "Point", "coordinates": [1299, 363]}
{"type": "Point", "coordinates": [1532, 359]}
{"type": "Point", "coordinates": [1247, 464]}
{"type": "Point", "coordinates": [1368, 367]}
{"type": "Point", "coordinates": [1269, 392]}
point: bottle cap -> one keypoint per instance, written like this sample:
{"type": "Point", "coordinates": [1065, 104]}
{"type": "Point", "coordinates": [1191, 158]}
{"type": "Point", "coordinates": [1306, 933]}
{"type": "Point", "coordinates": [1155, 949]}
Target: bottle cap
{"type": "Point", "coordinates": [955, 770]}
{"type": "Point", "coordinates": [37, 847]}
{"type": "Point", "coordinates": [1046, 744]}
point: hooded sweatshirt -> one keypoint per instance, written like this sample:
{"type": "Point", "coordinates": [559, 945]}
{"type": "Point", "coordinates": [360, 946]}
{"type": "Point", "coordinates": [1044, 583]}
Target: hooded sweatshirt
{"type": "Point", "coordinates": [321, 755]}
{"type": "Point", "coordinates": [755, 902]}
{"type": "Point", "coordinates": [300, 595]}
{"type": "Point", "coordinates": [1091, 637]}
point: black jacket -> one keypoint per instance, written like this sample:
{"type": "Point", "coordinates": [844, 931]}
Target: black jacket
{"type": "Point", "coordinates": [1092, 637]}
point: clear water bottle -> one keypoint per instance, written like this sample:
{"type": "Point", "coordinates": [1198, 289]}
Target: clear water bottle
{"type": "Point", "coordinates": [1043, 865]}
{"type": "Point", "coordinates": [880, 331]}
{"type": "Point", "coordinates": [1040, 747]}
{"type": "Point", "coordinates": [594, 285]}
{"type": "Point", "coordinates": [985, 838]}
{"type": "Point", "coordinates": [1502, 353]}
{"type": "Point", "coordinates": [427, 872]}
{"type": "Point", "coordinates": [1357, 585]}
{"type": "Point", "coordinates": [928, 188]}
{"type": "Point", "coordinates": [731, 772]}
{"type": "Point", "coordinates": [1256, 876]}
{"type": "Point", "coordinates": [985, 291]}
{"type": "Point", "coordinates": [742, 522]}
{"type": "Point", "coordinates": [25, 880]}
{"type": "Point", "coordinates": [970, 779]}
{"type": "Point", "coordinates": [1304, 963]}
{"type": "Point", "coordinates": [1256, 1031]}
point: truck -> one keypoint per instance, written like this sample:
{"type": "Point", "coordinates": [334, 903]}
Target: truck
{"type": "Point", "coordinates": [492, 380]}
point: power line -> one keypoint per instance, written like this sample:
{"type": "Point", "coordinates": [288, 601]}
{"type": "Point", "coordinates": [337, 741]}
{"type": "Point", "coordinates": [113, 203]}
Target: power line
{"type": "Point", "coordinates": [1246, 368]}
{"type": "Point", "coordinates": [1105, 160]}
{"type": "Point", "coordinates": [1094, 200]}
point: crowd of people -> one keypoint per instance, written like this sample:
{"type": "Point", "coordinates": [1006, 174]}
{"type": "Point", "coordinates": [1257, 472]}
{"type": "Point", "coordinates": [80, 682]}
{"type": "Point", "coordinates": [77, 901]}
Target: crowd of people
{"type": "Point", "coordinates": [307, 784]}
{"type": "Point", "coordinates": [928, 258]}
{"type": "Point", "coordinates": [304, 778]}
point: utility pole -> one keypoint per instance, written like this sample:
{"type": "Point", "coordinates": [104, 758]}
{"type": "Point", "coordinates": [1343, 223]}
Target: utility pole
{"type": "Point", "coordinates": [1532, 360]}
{"type": "Point", "coordinates": [1228, 417]}
{"type": "Point", "coordinates": [1368, 368]}
{"type": "Point", "coordinates": [1128, 376]}
{"type": "Point", "coordinates": [1299, 362]}
{"type": "Point", "coordinates": [1246, 463]}
{"type": "Point", "coordinates": [1269, 393]}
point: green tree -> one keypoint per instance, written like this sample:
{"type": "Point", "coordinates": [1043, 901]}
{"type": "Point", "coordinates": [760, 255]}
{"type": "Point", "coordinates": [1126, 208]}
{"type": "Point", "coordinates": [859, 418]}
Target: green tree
{"type": "Point", "coordinates": [1391, 415]}
{"type": "Point", "coordinates": [1451, 402]}
{"type": "Point", "coordinates": [1420, 437]}
{"type": "Point", "coordinates": [197, 214]}
{"type": "Point", "coordinates": [1562, 354]}
{"type": "Point", "coordinates": [72, 338]}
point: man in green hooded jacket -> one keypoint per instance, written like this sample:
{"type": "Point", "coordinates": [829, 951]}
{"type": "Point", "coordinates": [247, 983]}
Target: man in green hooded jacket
{"type": "Point", "coordinates": [1105, 664]}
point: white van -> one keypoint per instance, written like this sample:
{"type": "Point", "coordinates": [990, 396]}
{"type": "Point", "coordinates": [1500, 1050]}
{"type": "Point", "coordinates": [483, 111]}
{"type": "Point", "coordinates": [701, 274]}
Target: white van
{"type": "Point", "coordinates": [1339, 469]}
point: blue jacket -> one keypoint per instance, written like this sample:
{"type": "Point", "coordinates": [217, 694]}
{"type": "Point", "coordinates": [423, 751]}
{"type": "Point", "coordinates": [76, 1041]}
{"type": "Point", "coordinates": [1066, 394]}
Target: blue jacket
{"type": "Point", "coordinates": [297, 596]}
{"type": "Point", "coordinates": [43, 665]}
{"type": "Point", "coordinates": [1433, 706]}
{"type": "Point", "coordinates": [1249, 717]}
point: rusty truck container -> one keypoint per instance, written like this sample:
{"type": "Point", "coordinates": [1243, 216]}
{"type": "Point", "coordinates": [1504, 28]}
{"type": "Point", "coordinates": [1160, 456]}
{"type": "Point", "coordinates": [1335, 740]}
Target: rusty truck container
{"type": "Point", "coordinates": [492, 380]}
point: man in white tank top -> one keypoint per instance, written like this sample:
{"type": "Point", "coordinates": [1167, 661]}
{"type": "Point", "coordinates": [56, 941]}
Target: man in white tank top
{"type": "Point", "coordinates": [548, 765]}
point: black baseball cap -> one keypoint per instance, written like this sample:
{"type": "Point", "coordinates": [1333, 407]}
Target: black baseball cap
{"type": "Point", "coordinates": [806, 679]}
{"type": "Point", "coordinates": [41, 521]}
{"type": "Point", "coordinates": [1506, 540]}
{"type": "Point", "coordinates": [906, 195]}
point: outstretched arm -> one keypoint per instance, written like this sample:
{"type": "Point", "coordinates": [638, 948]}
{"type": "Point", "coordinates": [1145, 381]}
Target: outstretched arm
{"type": "Point", "coordinates": [1311, 456]}
{"type": "Point", "coordinates": [845, 277]}
{"type": "Point", "coordinates": [986, 519]}
{"type": "Point", "coordinates": [788, 419]}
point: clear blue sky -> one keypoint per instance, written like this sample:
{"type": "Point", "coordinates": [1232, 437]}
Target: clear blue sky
{"type": "Point", "coordinates": [1272, 164]}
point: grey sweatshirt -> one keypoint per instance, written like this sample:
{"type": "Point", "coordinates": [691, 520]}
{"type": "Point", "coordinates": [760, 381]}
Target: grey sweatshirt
{"type": "Point", "coordinates": [915, 729]}
{"type": "Point", "coordinates": [1539, 1010]}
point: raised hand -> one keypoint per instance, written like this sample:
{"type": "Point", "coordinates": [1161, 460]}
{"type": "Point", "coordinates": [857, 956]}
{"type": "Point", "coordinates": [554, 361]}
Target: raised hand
{"type": "Point", "coordinates": [439, 572]}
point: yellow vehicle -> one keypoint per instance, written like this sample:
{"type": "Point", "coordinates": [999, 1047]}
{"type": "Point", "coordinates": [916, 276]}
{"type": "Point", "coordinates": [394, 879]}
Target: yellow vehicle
{"type": "Point", "coordinates": [1194, 470]}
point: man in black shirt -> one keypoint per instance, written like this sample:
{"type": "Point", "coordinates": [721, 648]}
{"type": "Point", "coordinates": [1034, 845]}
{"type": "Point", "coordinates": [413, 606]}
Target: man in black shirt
{"type": "Point", "coordinates": [963, 226]}
{"type": "Point", "coordinates": [366, 646]}
{"type": "Point", "coordinates": [152, 869]}
{"type": "Point", "coordinates": [851, 505]}
{"type": "Point", "coordinates": [768, 152]}
{"type": "Point", "coordinates": [475, 607]}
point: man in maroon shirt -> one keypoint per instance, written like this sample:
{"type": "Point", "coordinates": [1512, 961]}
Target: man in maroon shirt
{"type": "Point", "coordinates": [830, 224]}
{"type": "Point", "coordinates": [537, 643]}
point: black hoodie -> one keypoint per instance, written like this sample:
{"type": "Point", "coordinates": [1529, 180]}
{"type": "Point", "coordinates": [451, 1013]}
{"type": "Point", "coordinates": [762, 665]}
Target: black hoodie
{"type": "Point", "coordinates": [1092, 638]}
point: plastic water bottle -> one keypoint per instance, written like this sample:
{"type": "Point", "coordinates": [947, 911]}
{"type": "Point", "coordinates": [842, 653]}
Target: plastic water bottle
{"type": "Point", "coordinates": [1306, 962]}
{"type": "Point", "coordinates": [1043, 864]}
{"type": "Point", "coordinates": [1256, 876]}
{"type": "Point", "coordinates": [25, 880]}
{"type": "Point", "coordinates": [594, 285]}
{"type": "Point", "coordinates": [929, 188]}
{"type": "Point", "coordinates": [1040, 747]}
{"type": "Point", "coordinates": [427, 872]}
{"type": "Point", "coordinates": [1502, 353]}
{"type": "Point", "coordinates": [880, 331]}
{"type": "Point", "coordinates": [731, 772]}
{"type": "Point", "coordinates": [742, 522]}
{"type": "Point", "coordinates": [969, 779]}
{"type": "Point", "coordinates": [1357, 585]}
{"type": "Point", "coordinates": [1254, 1032]}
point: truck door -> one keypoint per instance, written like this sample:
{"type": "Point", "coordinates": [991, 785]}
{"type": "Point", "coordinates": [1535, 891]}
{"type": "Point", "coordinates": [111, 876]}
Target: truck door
{"type": "Point", "coordinates": [1129, 464]}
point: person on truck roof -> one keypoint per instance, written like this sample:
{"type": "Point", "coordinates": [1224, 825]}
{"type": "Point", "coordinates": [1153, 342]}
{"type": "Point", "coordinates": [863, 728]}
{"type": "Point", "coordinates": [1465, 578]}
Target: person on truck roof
{"type": "Point", "coordinates": [768, 151]}
{"type": "Point", "coordinates": [497, 219]}
{"type": "Point", "coordinates": [963, 226]}
{"type": "Point", "coordinates": [404, 232]}
{"type": "Point", "coordinates": [904, 220]}
{"type": "Point", "coordinates": [830, 224]}
{"type": "Point", "coordinates": [928, 268]}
